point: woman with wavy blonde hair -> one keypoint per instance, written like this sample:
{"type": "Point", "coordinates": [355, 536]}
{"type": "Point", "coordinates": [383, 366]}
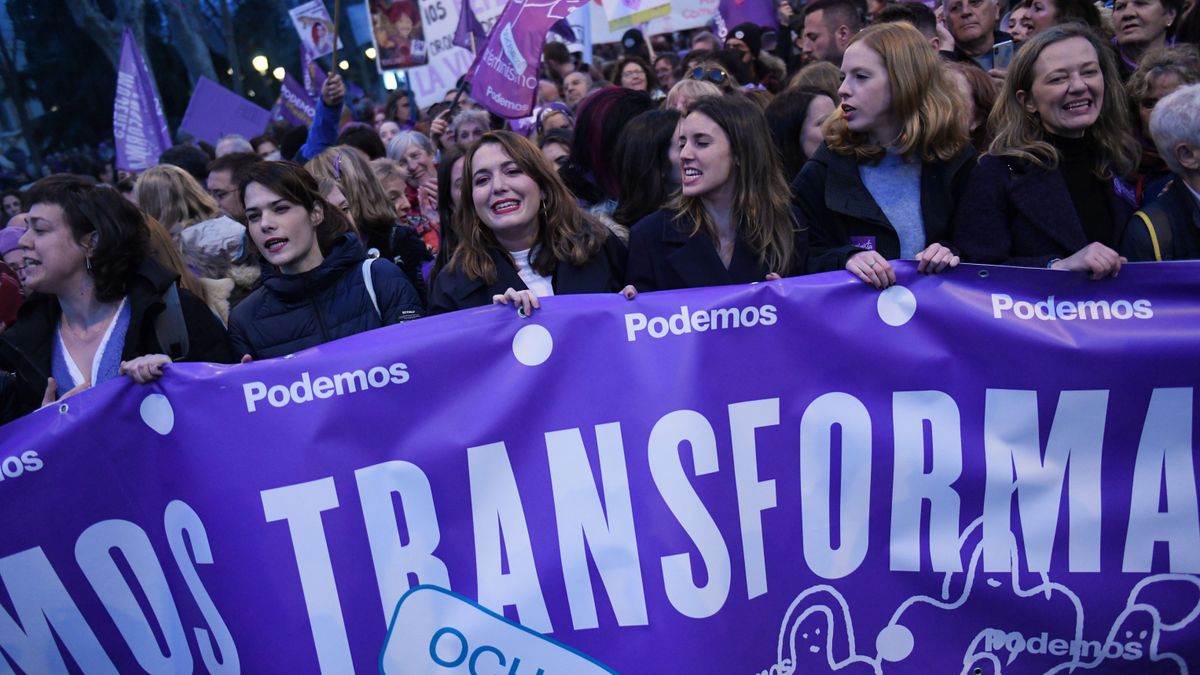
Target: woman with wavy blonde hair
{"type": "Point", "coordinates": [1045, 194]}
{"type": "Point", "coordinates": [523, 233]}
{"type": "Point", "coordinates": [172, 197]}
{"type": "Point", "coordinates": [730, 221]}
{"type": "Point", "coordinates": [884, 184]}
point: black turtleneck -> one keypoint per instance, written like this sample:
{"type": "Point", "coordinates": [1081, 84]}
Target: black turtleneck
{"type": "Point", "coordinates": [1088, 194]}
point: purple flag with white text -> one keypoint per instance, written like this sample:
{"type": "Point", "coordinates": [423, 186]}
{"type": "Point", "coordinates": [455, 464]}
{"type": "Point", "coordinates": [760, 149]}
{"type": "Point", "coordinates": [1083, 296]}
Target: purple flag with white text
{"type": "Point", "coordinates": [294, 105]}
{"type": "Point", "coordinates": [504, 75]}
{"type": "Point", "coordinates": [990, 470]}
{"type": "Point", "coordinates": [139, 126]}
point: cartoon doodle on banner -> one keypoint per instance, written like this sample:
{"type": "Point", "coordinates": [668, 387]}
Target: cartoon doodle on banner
{"type": "Point", "coordinates": [1133, 636]}
{"type": "Point", "coordinates": [399, 32]}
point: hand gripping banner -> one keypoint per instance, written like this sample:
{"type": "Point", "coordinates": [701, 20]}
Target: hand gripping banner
{"type": "Point", "coordinates": [990, 470]}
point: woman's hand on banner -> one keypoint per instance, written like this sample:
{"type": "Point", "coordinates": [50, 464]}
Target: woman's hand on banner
{"type": "Point", "coordinates": [145, 369]}
{"type": "Point", "coordinates": [525, 301]}
{"type": "Point", "coordinates": [936, 258]}
{"type": "Point", "coordinates": [872, 268]}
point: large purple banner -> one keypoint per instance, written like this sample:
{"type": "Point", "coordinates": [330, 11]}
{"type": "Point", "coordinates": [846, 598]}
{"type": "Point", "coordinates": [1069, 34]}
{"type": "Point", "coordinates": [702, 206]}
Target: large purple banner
{"type": "Point", "coordinates": [986, 471]}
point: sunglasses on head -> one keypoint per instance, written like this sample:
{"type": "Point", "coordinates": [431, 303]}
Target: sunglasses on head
{"type": "Point", "coordinates": [714, 75]}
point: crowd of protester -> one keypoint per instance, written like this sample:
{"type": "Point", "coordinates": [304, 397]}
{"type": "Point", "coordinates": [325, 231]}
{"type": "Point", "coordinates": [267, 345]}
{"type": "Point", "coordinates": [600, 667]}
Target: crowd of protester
{"type": "Point", "coordinates": [1056, 134]}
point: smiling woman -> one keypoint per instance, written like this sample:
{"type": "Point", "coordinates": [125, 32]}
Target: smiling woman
{"type": "Point", "coordinates": [1044, 194]}
{"type": "Point", "coordinates": [523, 233]}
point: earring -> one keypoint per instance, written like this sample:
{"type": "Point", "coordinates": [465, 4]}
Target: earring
{"type": "Point", "coordinates": [87, 262]}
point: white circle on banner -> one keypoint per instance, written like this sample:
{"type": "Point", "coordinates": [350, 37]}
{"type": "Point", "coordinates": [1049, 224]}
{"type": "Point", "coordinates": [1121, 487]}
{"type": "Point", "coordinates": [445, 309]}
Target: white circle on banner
{"type": "Point", "coordinates": [896, 305]}
{"type": "Point", "coordinates": [157, 413]}
{"type": "Point", "coordinates": [894, 643]}
{"type": "Point", "coordinates": [532, 345]}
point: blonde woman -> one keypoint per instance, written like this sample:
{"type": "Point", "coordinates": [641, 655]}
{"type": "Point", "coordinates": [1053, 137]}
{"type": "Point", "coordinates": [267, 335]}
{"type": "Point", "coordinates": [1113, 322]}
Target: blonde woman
{"type": "Point", "coordinates": [884, 184]}
{"type": "Point", "coordinates": [360, 195]}
{"type": "Point", "coordinates": [171, 196]}
{"type": "Point", "coordinates": [1044, 195]}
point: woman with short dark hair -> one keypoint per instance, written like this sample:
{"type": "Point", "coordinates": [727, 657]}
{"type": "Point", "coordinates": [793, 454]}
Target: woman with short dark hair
{"type": "Point", "coordinates": [96, 300]}
{"type": "Point", "coordinates": [318, 284]}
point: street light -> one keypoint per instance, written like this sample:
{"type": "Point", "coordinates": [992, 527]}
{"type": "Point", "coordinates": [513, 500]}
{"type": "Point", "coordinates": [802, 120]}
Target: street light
{"type": "Point", "coordinates": [344, 64]}
{"type": "Point", "coordinates": [260, 64]}
{"type": "Point", "coordinates": [370, 52]}
{"type": "Point", "coordinates": [279, 73]}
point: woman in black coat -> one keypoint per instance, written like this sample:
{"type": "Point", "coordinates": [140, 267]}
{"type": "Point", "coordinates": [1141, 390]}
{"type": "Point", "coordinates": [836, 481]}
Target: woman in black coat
{"type": "Point", "coordinates": [1044, 195]}
{"type": "Point", "coordinates": [884, 184]}
{"type": "Point", "coordinates": [523, 234]}
{"type": "Point", "coordinates": [318, 283]}
{"type": "Point", "coordinates": [99, 306]}
{"type": "Point", "coordinates": [731, 222]}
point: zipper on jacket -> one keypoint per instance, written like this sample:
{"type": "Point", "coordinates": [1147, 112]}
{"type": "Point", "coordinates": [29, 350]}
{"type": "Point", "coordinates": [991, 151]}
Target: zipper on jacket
{"type": "Point", "coordinates": [317, 311]}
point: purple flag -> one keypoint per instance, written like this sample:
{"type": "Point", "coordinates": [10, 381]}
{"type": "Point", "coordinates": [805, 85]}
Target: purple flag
{"type": "Point", "coordinates": [991, 469]}
{"type": "Point", "coordinates": [215, 111]}
{"type": "Point", "coordinates": [139, 126]}
{"type": "Point", "coordinates": [294, 105]}
{"type": "Point", "coordinates": [504, 75]}
{"type": "Point", "coordinates": [562, 28]}
{"type": "Point", "coordinates": [759, 12]}
{"type": "Point", "coordinates": [468, 26]}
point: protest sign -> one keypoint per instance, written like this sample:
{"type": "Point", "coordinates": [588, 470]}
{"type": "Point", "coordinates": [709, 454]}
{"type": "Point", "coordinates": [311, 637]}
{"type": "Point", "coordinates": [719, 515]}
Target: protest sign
{"type": "Point", "coordinates": [684, 15]}
{"type": "Point", "coordinates": [399, 32]}
{"type": "Point", "coordinates": [447, 62]}
{"type": "Point", "coordinates": [504, 75]}
{"type": "Point", "coordinates": [625, 14]}
{"type": "Point", "coordinates": [139, 126]}
{"type": "Point", "coordinates": [991, 468]}
{"type": "Point", "coordinates": [314, 27]}
{"type": "Point", "coordinates": [215, 111]}
{"type": "Point", "coordinates": [294, 105]}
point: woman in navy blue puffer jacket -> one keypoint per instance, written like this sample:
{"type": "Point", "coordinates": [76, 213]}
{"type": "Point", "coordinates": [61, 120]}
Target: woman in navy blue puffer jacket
{"type": "Point", "coordinates": [317, 283]}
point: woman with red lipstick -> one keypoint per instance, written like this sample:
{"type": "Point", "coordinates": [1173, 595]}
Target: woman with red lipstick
{"type": "Point", "coordinates": [884, 184]}
{"type": "Point", "coordinates": [730, 222]}
{"type": "Point", "coordinates": [523, 234]}
{"type": "Point", "coordinates": [1045, 194]}
{"type": "Point", "coordinates": [317, 284]}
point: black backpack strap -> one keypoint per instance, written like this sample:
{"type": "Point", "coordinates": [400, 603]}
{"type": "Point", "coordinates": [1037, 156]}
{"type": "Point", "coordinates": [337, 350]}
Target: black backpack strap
{"type": "Point", "coordinates": [169, 326]}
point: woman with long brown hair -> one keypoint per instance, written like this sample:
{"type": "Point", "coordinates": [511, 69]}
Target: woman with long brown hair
{"type": "Point", "coordinates": [1044, 195]}
{"type": "Point", "coordinates": [523, 233]}
{"type": "Point", "coordinates": [730, 222]}
{"type": "Point", "coordinates": [884, 184]}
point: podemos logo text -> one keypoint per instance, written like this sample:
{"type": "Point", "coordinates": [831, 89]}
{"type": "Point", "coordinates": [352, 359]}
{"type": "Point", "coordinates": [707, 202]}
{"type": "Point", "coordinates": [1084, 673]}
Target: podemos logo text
{"type": "Point", "coordinates": [685, 321]}
{"type": "Point", "coordinates": [1051, 309]}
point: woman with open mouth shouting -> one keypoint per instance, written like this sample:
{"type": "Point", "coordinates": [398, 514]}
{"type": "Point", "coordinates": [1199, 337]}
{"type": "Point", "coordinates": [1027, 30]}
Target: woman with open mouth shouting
{"type": "Point", "coordinates": [523, 234]}
{"type": "Point", "coordinates": [730, 222]}
{"type": "Point", "coordinates": [1045, 194]}
{"type": "Point", "coordinates": [896, 154]}
{"type": "Point", "coordinates": [96, 298]}
{"type": "Point", "coordinates": [318, 284]}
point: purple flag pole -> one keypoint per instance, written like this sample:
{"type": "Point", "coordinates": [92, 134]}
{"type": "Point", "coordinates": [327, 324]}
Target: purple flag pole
{"type": "Point", "coordinates": [504, 75]}
{"type": "Point", "coordinates": [139, 126]}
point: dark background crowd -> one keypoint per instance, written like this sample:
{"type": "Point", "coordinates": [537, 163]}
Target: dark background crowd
{"type": "Point", "coordinates": [849, 134]}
